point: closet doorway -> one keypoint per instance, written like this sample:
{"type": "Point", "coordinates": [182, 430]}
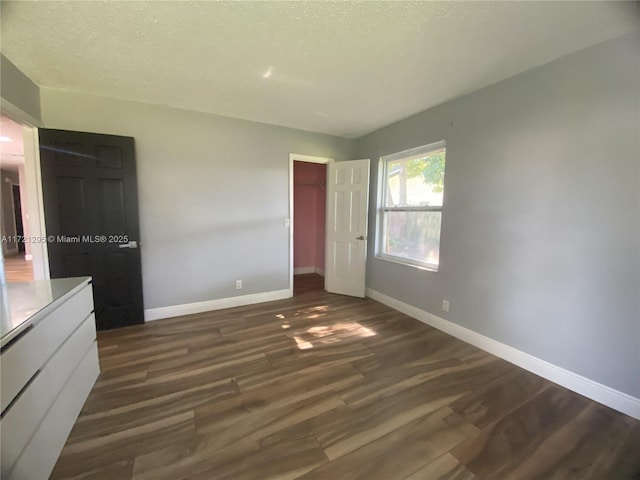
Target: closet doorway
{"type": "Point", "coordinates": [309, 221]}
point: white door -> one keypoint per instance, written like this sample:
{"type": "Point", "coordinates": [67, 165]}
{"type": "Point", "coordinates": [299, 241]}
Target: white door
{"type": "Point", "coordinates": [347, 209]}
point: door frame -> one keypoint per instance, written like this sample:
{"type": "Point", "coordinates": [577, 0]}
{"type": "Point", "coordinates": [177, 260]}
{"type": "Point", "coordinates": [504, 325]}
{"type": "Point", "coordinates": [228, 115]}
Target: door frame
{"type": "Point", "coordinates": [35, 204]}
{"type": "Point", "coordinates": [293, 157]}
{"type": "Point", "coordinates": [33, 187]}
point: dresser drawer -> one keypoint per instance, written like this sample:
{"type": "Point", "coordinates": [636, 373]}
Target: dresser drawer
{"type": "Point", "coordinates": [22, 359]}
{"type": "Point", "coordinates": [22, 418]}
{"type": "Point", "coordinates": [39, 457]}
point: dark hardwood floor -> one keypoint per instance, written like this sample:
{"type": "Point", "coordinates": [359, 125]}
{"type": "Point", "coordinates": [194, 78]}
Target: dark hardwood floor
{"type": "Point", "coordinates": [328, 387]}
{"type": "Point", "coordinates": [17, 269]}
{"type": "Point", "coordinates": [307, 282]}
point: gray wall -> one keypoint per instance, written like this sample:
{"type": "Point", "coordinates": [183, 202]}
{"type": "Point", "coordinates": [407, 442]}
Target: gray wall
{"type": "Point", "coordinates": [19, 90]}
{"type": "Point", "coordinates": [213, 193]}
{"type": "Point", "coordinates": [541, 223]}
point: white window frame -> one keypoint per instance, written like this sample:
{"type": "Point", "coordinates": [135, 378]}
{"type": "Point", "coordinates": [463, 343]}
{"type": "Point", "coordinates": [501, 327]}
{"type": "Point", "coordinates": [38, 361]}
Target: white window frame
{"type": "Point", "coordinates": [417, 152]}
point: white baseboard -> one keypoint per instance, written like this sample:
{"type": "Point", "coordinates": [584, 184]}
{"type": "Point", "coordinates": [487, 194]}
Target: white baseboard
{"type": "Point", "coordinates": [302, 270]}
{"type": "Point", "coordinates": [28, 258]}
{"type": "Point", "coordinates": [598, 392]}
{"type": "Point", "coordinates": [210, 305]}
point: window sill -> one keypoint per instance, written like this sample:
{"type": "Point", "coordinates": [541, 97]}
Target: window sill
{"type": "Point", "coordinates": [399, 261]}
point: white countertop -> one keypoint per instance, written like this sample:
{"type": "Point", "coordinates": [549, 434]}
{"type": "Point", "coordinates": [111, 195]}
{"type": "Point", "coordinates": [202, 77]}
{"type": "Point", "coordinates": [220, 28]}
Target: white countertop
{"type": "Point", "coordinates": [24, 303]}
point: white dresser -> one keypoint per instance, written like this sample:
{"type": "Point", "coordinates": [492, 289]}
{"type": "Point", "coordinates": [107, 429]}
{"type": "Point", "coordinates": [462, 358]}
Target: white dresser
{"type": "Point", "coordinates": [48, 365]}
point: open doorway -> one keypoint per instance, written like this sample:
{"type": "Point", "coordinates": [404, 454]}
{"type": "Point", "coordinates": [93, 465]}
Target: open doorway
{"type": "Point", "coordinates": [16, 232]}
{"type": "Point", "coordinates": [346, 193]}
{"type": "Point", "coordinates": [309, 220]}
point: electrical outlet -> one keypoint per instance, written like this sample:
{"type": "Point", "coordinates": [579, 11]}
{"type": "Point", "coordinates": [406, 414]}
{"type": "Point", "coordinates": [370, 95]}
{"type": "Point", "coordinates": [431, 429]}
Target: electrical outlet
{"type": "Point", "coordinates": [445, 305]}
{"type": "Point", "coordinates": [238, 284]}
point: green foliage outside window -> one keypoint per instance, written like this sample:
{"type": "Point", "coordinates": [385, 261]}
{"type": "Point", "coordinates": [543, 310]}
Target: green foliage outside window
{"type": "Point", "coordinates": [430, 168]}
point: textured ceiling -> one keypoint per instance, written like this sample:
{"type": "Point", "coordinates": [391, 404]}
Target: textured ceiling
{"type": "Point", "coordinates": [343, 68]}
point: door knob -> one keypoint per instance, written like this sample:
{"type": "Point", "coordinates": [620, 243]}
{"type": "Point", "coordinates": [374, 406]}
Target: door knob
{"type": "Point", "coordinates": [361, 237]}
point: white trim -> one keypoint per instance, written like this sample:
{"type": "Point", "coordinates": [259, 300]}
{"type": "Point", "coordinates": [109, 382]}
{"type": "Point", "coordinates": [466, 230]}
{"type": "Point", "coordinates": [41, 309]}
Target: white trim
{"type": "Point", "coordinates": [407, 262]}
{"type": "Point", "coordinates": [35, 203]}
{"type": "Point", "coordinates": [151, 314]}
{"type": "Point", "coordinates": [16, 114]}
{"type": "Point", "coordinates": [28, 258]}
{"type": "Point", "coordinates": [416, 152]}
{"type": "Point", "coordinates": [598, 392]}
{"type": "Point", "coordinates": [303, 270]}
{"type": "Point", "coordinates": [296, 157]}
{"type": "Point", "coordinates": [309, 158]}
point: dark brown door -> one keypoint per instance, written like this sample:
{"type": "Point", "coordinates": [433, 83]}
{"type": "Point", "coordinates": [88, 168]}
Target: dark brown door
{"type": "Point", "coordinates": [91, 215]}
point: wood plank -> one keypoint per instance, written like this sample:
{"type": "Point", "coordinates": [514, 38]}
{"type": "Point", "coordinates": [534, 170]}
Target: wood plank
{"type": "Point", "coordinates": [498, 451]}
{"type": "Point", "coordinates": [488, 404]}
{"type": "Point", "coordinates": [17, 269]}
{"type": "Point", "coordinates": [445, 467]}
{"type": "Point", "coordinates": [324, 386]}
{"type": "Point", "coordinates": [399, 452]}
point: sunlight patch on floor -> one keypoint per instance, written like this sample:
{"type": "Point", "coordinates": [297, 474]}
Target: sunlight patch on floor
{"type": "Point", "coordinates": [327, 334]}
{"type": "Point", "coordinates": [303, 345]}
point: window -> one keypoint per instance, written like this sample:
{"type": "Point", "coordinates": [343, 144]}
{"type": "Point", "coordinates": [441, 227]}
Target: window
{"type": "Point", "coordinates": [411, 206]}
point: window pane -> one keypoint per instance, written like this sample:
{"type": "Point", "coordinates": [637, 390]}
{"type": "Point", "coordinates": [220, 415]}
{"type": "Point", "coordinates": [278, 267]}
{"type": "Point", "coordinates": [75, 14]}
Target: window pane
{"type": "Point", "coordinates": [416, 181]}
{"type": "Point", "coordinates": [413, 235]}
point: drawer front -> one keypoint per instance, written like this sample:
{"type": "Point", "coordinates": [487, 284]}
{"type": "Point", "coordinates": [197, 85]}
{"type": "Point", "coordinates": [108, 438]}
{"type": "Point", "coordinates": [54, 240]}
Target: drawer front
{"type": "Point", "coordinates": [23, 417]}
{"type": "Point", "coordinates": [21, 360]}
{"type": "Point", "coordinates": [42, 452]}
